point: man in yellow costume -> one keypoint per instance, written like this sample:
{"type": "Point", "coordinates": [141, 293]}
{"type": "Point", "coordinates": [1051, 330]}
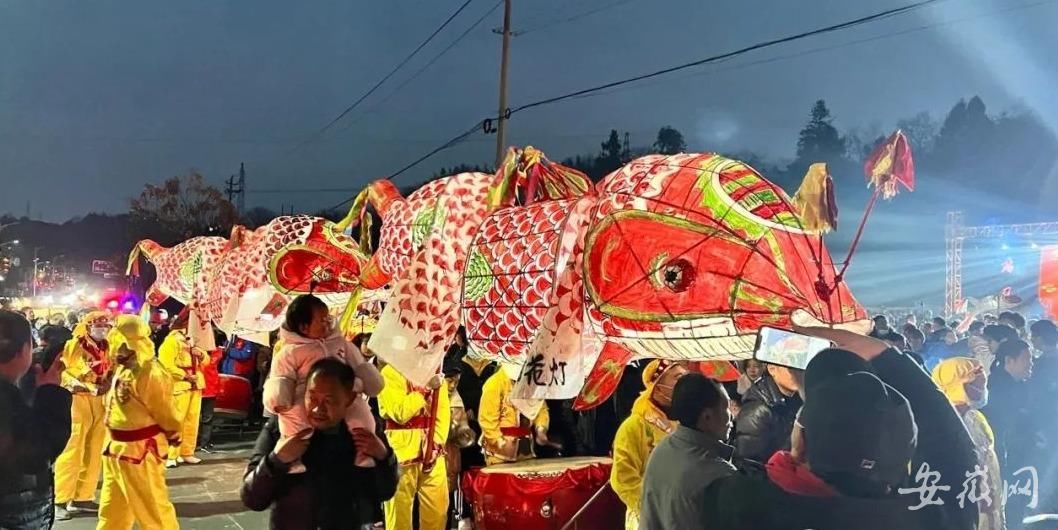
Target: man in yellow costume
{"type": "Point", "coordinates": [506, 434]}
{"type": "Point", "coordinates": [638, 434]}
{"type": "Point", "coordinates": [412, 414]}
{"type": "Point", "coordinates": [184, 364]}
{"type": "Point", "coordinates": [87, 377]}
{"type": "Point", "coordinates": [140, 420]}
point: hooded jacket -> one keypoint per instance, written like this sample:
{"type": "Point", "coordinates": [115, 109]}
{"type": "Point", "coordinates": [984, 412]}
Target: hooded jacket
{"type": "Point", "coordinates": [292, 362]}
{"type": "Point", "coordinates": [636, 438]}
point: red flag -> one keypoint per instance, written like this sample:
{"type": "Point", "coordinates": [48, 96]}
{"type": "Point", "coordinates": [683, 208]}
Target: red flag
{"type": "Point", "coordinates": [891, 163]}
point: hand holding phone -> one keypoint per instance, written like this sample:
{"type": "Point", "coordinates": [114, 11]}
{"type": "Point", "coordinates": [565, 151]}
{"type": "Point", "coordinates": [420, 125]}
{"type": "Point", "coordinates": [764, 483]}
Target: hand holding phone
{"type": "Point", "coordinates": [787, 348]}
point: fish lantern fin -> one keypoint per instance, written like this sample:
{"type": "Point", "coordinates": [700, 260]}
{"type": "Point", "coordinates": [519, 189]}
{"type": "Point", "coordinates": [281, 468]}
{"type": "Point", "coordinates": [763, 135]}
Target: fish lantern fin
{"type": "Point", "coordinates": [604, 377]}
{"type": "Point", "coordinates": [815, 201]}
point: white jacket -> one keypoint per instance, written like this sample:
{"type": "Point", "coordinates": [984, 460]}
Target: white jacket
{"type": "Point", "coordinates": [290, 367]}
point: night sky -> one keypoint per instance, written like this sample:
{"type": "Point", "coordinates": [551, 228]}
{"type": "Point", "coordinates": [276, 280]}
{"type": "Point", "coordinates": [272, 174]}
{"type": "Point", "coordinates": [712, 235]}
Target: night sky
{"type": "Point", "coordinates": [98, 98]}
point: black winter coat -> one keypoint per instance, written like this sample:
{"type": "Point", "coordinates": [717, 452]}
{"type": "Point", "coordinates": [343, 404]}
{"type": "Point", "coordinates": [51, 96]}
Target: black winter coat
{"type": "Point", "coordinates": [765, 422]}
{"type": "Point", "coordinates": [749, 501]}
{"type": "Point", "coordinates": [332, 494]}
{"type": "Point", "coordinates": [31, 438]}
{"type": "Point", "coordinates": [943, 441]}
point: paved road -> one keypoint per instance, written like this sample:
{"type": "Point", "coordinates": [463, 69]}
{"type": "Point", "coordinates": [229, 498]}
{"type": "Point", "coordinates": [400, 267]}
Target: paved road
{"type": "Point", "coordinates": [206, 496]}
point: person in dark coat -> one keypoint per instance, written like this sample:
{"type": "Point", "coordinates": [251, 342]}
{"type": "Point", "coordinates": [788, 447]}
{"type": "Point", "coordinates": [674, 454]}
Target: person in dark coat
{"type": "Point", "coordinates": [334, 493]}
{"type": "Point", "coordinates": [1043, 387]}
{"type": "Point", "coordinates": [767, 415]}
{"type": "Point", "coordinates": [942, 442]}
{"type": "Point", "coordinates": [52, 341]}
{"type": "Point", "coordinates": [850, 451]}
{"type": "Point", "coordinates": [31, 436]}
{"type": "Point", "coordinates": [1010, 413]}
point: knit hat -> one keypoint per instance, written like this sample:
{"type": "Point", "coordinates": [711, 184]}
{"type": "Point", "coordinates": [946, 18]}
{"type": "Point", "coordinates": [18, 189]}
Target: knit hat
{"type": "Point", "coordinates": [830, 363]}
{"type": "Point", "coordinates": [856, 426]}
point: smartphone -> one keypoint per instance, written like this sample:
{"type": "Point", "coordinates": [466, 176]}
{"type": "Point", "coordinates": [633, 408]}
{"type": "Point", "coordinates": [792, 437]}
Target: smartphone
{"type": "Point", "coordinates": [786, 348]}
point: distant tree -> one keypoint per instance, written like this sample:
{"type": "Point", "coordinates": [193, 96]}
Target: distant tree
{"type": "Point", "coordinates": [611, 156]}
{"type": "Point", "coordinates": [965, 135]}
{"type": "Point", "coordinates": [461, 168]}
{"type": "Point", "coordinates": [181, 208]}
{"type": "Point", "coordinates": [258, 216]}
{"type": "Point", "coordinates": [921, 132]}
{"type": "Point", "coordinates": [670, 141]}
{"type": "Point", "coordinates": [819, 140]}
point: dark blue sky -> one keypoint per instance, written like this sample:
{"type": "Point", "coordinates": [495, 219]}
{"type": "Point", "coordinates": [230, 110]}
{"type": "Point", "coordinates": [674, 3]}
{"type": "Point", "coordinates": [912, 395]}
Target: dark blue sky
{"type": "Point", "coordinates": [98, 98]}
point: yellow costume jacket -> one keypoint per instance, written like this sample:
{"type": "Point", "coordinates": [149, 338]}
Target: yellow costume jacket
{"type": "Point", "coordinates": [502, 426]}
{"type": "Point", "coordinates": [140, 416]}
{"type": "Point", "coordinates": [180, 360]}
{"type": "Point", "coordinates": [636, 438]}
{"type": "Point", "coordinates": [87, 363]}
{"type": "Point", "coordinates": [406, 410]}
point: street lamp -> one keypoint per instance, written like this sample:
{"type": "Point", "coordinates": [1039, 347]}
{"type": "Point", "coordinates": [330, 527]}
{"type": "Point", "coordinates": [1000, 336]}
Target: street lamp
{"type": "Point", "coordinates": [12, 243]}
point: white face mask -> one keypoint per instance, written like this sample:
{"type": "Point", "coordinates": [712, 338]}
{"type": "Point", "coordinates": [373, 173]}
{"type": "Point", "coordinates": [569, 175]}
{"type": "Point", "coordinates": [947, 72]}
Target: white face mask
{"type": "Point", "coordinates": [98, 333]}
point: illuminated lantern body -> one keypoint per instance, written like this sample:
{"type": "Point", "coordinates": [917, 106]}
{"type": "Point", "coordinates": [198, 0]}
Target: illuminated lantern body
{"type": "Point", "coordinates": [243, 285]}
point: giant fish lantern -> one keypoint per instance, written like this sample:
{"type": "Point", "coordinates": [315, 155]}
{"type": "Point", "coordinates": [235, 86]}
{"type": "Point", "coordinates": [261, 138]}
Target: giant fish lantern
{"type": "Point", "coordinates": [423, 248]}
{"type": "Point", "coordinates": [678, 257]}
{"type": "Point", "coordinates": [244, 285]}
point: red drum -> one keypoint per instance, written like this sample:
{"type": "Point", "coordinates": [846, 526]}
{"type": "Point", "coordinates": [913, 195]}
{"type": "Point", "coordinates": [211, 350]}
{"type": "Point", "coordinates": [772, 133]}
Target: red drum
{"type": "Point", "coordinates": [544, 494]}
{"type": "Point", "coordinates": [233, 397]}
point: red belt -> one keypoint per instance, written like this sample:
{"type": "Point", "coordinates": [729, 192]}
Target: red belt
{"type": "Point", "coordinates": [517, 432]}
{"type": "Point", "coordinates": [135, 435]}
{"type": "Point", "coordinates": [418, 422]}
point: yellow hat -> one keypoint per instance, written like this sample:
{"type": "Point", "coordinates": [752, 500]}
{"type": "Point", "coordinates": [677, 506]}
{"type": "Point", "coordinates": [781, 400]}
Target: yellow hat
{"type": "Point", "coordinates": [951, 375]}
{"type": "Point", "coordinates": [133, 331]}
{"type": "Point", "coordinates": [94, 318]}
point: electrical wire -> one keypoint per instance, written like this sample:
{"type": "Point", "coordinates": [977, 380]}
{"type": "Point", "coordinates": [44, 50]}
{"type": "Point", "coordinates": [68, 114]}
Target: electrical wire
{"type": "Point", "coordinates": [385, 78]}
{"type": "Point", "coordinates": [424, 67]}
{"type": "Point", "coordinates": [728, 55]}
{"type": "Point", "coordinates": [485, 123]}
{"type": "Point", "coordinates": [573, 18]}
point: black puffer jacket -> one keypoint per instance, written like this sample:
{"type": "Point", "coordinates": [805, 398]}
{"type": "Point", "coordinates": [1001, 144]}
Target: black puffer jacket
{"type": "Point", "coordinates": [31, 438]}
{"type": "Point", "coordinates": [764, 424]}
{"type": "Point", "coordinates": [332, 494]}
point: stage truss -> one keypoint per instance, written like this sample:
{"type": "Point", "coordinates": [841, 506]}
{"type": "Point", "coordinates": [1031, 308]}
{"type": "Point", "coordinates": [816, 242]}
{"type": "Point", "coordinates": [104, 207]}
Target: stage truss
{"type": "Point", "coordinates": [955, 233]}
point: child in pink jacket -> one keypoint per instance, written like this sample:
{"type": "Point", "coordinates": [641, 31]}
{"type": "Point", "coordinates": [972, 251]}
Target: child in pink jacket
{"type": "Point", "coordinates": [307, 336]}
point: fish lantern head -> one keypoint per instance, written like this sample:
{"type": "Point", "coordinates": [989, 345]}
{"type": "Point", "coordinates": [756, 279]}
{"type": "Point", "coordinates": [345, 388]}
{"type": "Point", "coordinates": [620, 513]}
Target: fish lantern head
{"type": "Point", "coordinates": [319, 259]}
{"type": "Point", "coordinates": [689, 255]}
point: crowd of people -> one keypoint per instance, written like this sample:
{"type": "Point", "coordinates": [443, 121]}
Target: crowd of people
{"type": "Point", "coordinates": [933, 426]}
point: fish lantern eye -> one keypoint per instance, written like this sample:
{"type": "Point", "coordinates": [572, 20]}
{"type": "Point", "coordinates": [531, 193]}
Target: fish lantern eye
{"type": "Point", "coordinates": [677, 275]}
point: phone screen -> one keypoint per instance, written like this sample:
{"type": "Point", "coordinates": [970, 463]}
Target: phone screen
{"type": "Point", "coordinates": [786, 348]}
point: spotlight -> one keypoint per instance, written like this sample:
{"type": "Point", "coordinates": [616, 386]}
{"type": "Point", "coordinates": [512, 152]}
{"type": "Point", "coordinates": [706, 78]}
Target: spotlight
{"type": "Point", "coordinates": [1005, 246]}
{"type": "Point", "coordinates": [1034, 245]}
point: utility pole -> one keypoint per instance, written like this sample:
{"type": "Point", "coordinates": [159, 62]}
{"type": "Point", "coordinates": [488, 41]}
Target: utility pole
{"type": "Point", "coordinates": [242, 188]}
{"type": "Point", "coordinates": [235, 188]}
{"type": "Point", "coordinates": [501, 129]}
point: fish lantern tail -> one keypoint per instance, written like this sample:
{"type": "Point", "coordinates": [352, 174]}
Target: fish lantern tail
{"type": "Point", "coordinates": [146, 248]}
{"type": "Point", "coordinates": [380, 194]}
{"type": "Point", "coordinates": [540, 178]}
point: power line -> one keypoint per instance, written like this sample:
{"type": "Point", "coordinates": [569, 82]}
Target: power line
{"type": "Point", "coordinates": [486, 123]}
{"type": "Point", "coordinates": [573, 18]}
{"type": "Point", "coordinates": [455, 140]}
{"type": "Point", "coordinates": [821, 49]}
{"type": "Point", "coordinates": [766, 44]}
{"type": "Point", "coordinates": [385, 78]}
{"type": "Point", "coordinates": [426, 66]}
